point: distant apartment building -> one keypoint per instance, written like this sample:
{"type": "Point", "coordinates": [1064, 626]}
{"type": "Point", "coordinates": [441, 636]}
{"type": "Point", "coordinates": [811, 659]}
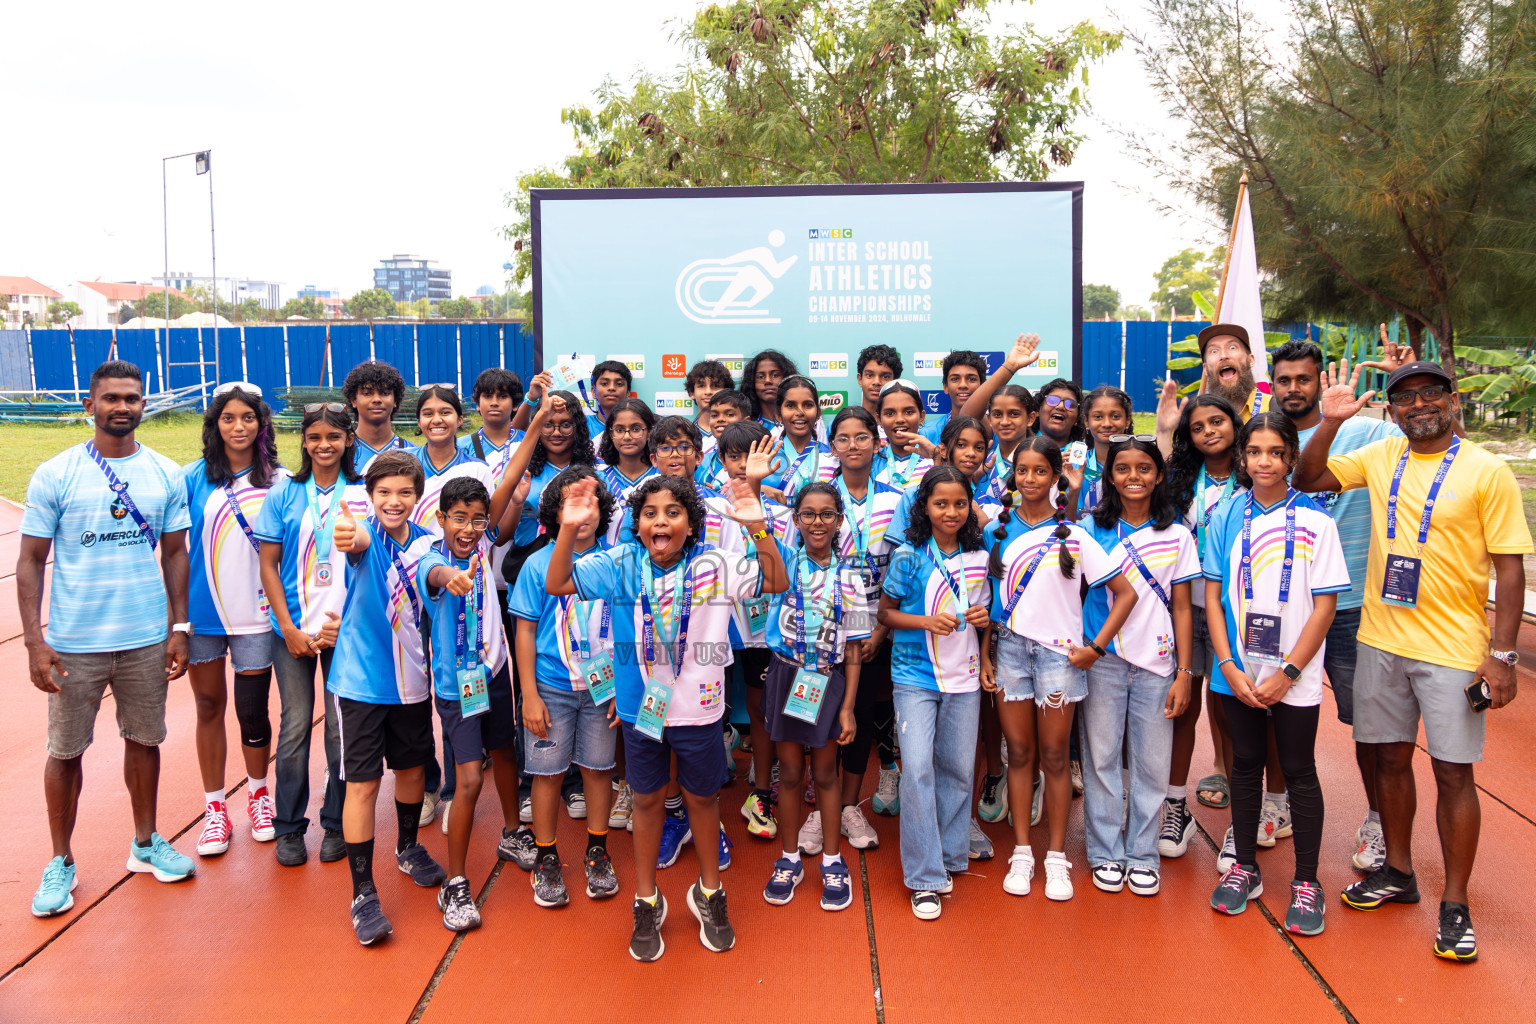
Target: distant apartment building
{"type": "Point", "coordinates": [231, 289]}
{"type": "Point", "coordinates": [408, 278]}
{"type": "Point", "coordinates": [309, 291]}
{"type": "Point", "coordinates": [106, 304]}
{"type": "Point", "coordinates": [25, 296]}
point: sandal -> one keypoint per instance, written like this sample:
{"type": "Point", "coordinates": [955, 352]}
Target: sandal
{"type": "Point", "coordinates": [1213, 784]}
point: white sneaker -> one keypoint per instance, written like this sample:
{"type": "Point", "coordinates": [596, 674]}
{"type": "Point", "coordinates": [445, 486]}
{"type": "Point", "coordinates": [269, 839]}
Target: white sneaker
{"type": "Point", "coordinates": [810, 835]}
{"type": "Point", "coordinates": [1273, 824]}
{"type": "Point", "coordinates": [525, 811]}
{"type": "Point", "coordinates": [428, 809]}
{"type": "Point", "coordinates": [1371, 847]}
{"type": "Point", "coordinates": [860, 834]}
{"type": "Point", "coordinates": [1058, 876]}
{"type": "Point", "coordinates": [447, 806]}
{"type": "Point", "coordinates": [1037, 800]}
{"type": "Point", "coordinates": [1228, 855]}
{"type": "Point", "coordinates": [1021, 868]}
{"type": "Point", "coordinates": [623, 806]}
{"type": "Point", "coordinates": [887, 798]}
{"type": "Point", "coordinates": [1109, 876]}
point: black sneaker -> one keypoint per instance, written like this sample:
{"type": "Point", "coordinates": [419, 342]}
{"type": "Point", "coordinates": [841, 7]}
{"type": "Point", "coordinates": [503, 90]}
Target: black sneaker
{"type": "Point", "coordinates": [518, 847]}
{"type": "Point", "coordinates": [548, 883]}
{"type": "Point", "coordinates": [601, 880]}
{"type": "Point", "coordinates": [333, 847]}
{"type": "Point", "coordinates": [645, 942]}
{"type": "Point", "coordinates": [714, 924]}
{"type": "Point", "coordinates": [368, 919]}
{"type": "Point", "coordinates": [291, 851]}
{"type": "Point", "coordinates": [1240, 884]}
{"type": "Point", "coordinates": [415, 861]}
{"type": "Point", "coordinates": [1306, 914]}
{"type": "Point", "coordinates": [1454, 940]}
{"type": "Point", "coordinates": [1381, 886]}
{"type": "Point", "coordinates": [1178, 825]}
{"type": "Point", "coordinates": [458, 906]}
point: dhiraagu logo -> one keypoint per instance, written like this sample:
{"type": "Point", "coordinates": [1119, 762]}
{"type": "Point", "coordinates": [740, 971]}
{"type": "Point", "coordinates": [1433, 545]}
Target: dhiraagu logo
{"type": "Point", "coordinates": [928, 364]}
{"type": "Point", "coordinates": [733, 363]}
{"type": "Point", "coordinates": [672, 403]}
{"type": "Point", "coordinates": [733, 289]}
{"type": "Point", "coordinates": [830, 364]}
{"type": "Point", "coordinates": [635, 363]}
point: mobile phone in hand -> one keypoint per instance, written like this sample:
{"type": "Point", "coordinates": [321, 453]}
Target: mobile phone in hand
{"type": "Point", "coordinates": [1479, 695]}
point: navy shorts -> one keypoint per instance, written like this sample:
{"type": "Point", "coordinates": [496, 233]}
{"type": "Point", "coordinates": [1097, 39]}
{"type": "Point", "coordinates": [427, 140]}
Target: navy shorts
{"type": "Point", "coordinates": [496, 729]}
{"type": "Point", "coordinates": [701, 763]}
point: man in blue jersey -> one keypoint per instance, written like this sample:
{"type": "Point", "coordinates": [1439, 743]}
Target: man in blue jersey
{"type": "Point", "coordinates": [105, 509]}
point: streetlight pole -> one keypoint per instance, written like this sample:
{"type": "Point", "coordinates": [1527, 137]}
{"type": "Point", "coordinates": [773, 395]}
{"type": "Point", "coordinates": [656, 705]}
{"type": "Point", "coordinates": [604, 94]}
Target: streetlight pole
{"type": "Point", "coordinates": [204, 165]}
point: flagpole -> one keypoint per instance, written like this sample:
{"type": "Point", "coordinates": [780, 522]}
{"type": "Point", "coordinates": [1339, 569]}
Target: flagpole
{"type": "Point", "coordinates": [1221, 289]}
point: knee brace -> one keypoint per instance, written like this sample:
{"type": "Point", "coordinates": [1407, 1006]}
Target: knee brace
{"type": "Point", "coordinates": [251, 693]}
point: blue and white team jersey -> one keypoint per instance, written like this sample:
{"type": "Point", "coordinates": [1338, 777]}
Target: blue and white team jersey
{"type": "Point", "coordinates": [709, 442]}
{"type": "Point", "coordinates": [487, 644]}
{"type": "Point", "coordinates": [1146, 640]}
{"type": "Point", "coordinates": [224, 594]}
{"type": "Point", "coordinates": [781, 525]}
{"type": "Point", "coordinates": [994, 482]}
{"type": "Point", "coordinates": [866, 539]}
{"type": "Point", "coordinates": [1351, 510]}
{"type": "Point", "coordinates": [1317, 568]}
{"type": "Point", "coordinates": [464, 464]}
{"type": "Point", "coordinates": [379, 657]}
{"type": "Point", "coordinates": [813, 463]}
{"type": "Point", "coordinates": [620, 486]}
{"type": "Point", "coordinates": [496, 456]}
{"type": "Point", "coordinates": [811, 600]}
{"type": "Point", "coordinates": [949, 664]}
{"type": "Point", "coordinates": [528, 528]}
{"type": "Point", "coordinates": [1049, 610]}
{"type": "Point", "coordinates": [934, 425]}
{"type": "Point", "coordinates": [560, 622]}
{"type": "Point", "coordinates": [904, 472]}
{"type": "Point", "coordinates": [1209, 494]}
{"type": "Point", "coordinates": [107, 592]}
{"type": "Point", "coordinates": [986, 510]}
{"type": "Point", "coordinates": [287, 518]}
{"type": "Point", "coordinates": [711, 472]}
{"type": "Point", "coordinates": [718, 579]}
{"type": "Point", "coordinates": [364, 453]}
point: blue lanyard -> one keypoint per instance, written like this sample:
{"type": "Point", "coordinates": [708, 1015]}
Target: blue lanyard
{"type": "Point", "coordinates": [1157, 588]}
{"type": "Point", "coordinates": [1002, 470]}
{"type": "Point", "coordinates": [618, 484]}
{"type": "Point", "coordinates": [901, 479]}
{"type": "Point", "coordinates": [1290, 547]}
{"type": "Point", "coordinates": [859, 527]}
{"type": "Point", "coordinates": [793, 473]}
{"type": "Point", "coordinates": [1429, 500]}
{"type": "Point", "coordinates": [469, 612]}
{"type": "Point", "coordinates": [505, 451]}
{"type": "Point", "coordinates": [324, 525]}
{"type": "Point", "coordinates": [579, 612]}
{"type": "Point", "coordinates": [234, 506]}
{"type": "Point", "coordinates": [681, 611]}
{"type": "Point", "coordinates": [405, 577]}
{"type": "Point", "coordinates": [802, 582]}
{"type": "Point", "coordinates": [937, 558]}
{"type": "Point", "coordinates": [122, 495]}
{"type": "Point", "coordinates": [1029, 574]}
{"type": "Point", "coordinates": [1204, 522]}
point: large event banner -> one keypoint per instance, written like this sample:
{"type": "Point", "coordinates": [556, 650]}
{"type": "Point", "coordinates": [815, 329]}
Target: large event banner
{"type": "Point", "coordinates": [662, 278]}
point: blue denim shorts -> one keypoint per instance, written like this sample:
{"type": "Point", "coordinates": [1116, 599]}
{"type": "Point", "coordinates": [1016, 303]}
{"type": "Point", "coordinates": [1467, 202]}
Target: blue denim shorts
{"type": "Point", "coordinates": [1030, 670]}
{"type": "Point", "coordinates": [247, 652]}
{"type": "Point", "coordinates": [578, 732]}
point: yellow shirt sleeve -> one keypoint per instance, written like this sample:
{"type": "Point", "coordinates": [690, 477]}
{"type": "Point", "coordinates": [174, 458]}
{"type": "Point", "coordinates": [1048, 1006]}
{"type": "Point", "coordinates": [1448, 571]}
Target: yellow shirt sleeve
{"type": "Point", "coordinates": [1352, 468]}
{"type": "Point", "coordinates": [1504, 527]}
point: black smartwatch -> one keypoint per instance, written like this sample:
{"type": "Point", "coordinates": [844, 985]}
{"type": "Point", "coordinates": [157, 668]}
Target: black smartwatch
{"type": "Point", "coordinates": [1291, 671]}
{"type": "Point", "coordinates": [1096, 649]}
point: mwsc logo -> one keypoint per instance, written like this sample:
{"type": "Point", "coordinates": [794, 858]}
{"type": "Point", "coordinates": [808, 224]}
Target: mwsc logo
{"type": "Point", "coordinates": [672, 403]}
{"type": "Point", "coordinates": [734, 363]}
{"type": "Point", "coordinates": [831, 233]}
{"type": "Point", "coordinates": [927, 364]}
{"type": "Point", "coordinates": [634, 362]}
{"type": "Point", "coordinates": [830, 364]}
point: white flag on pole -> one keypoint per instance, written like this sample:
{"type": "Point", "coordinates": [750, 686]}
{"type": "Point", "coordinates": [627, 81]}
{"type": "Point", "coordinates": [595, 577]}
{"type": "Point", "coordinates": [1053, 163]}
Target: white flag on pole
{"type": "Point", "coordinates": [1240, 296]}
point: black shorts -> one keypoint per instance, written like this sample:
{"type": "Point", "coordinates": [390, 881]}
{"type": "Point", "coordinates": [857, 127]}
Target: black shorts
{"type": "Point", "coordinates": [495, 729]}
{"type": "Point", "coordinates": [372, 732]}
{"type": "Point", "coordinates": [754, 665]}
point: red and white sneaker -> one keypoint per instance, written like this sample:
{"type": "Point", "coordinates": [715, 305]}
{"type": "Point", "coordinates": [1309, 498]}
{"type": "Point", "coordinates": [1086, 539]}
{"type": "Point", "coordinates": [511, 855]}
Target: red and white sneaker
{"type": "Point", "coordinates": [215, 837]}
{"type": "Point", "coordinates": [261, 810]}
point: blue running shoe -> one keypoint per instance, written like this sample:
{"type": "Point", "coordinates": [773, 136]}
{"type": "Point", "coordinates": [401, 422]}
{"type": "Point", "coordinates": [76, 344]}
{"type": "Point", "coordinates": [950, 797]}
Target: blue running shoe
{"type": "Point", "coordinates": [675, 834]}
{"type": "Point", "coordinates": [787, 876]}
{"type": "Point", "coordinates": [159, 859]}
{"type": "Point", "coordinates": [836, 886]}
{"type": "Point", "coordinates": [53, 895]}
{"type": "Point", "coordinates": [725, 849]}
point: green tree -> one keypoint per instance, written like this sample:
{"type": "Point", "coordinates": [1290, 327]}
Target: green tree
{"type": "Point", "coordinates": [1182, 275]}
{"type": "Point", "coordinates": [307, 307]}
{"type": "Point", "coordinates": [154, 305]}
{"type": "Point", "coordinates": [800, 92]}
{"type": "Point", "coordinates": [1099, 301]}
{"type": "Point", "coordinates": [459, 308]}
{"type": "Point", "coordinates": [60, 313]}
{"type": "Point", "coordinates": [373, 304]}
{"type": "Point", "coordinates": [1390, 158]}
{"type": "Point", "coordinates": [1133, 312]}
{"type": "Point", "coordinates": [251, 310]}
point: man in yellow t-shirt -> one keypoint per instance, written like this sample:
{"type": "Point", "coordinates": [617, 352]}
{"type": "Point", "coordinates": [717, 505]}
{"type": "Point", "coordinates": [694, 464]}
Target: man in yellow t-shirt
{"type": "Point", "coordinates": [1424, 638]}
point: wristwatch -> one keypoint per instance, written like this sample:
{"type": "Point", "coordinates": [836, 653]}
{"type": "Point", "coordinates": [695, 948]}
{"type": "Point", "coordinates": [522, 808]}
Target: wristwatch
{"type": "Point", "coordinates": [759, 534]}
{"type": "Point", "coordinates": [1096, 648]}
{"type": "Point", "coordinates": [1507, 657]}
{"type": "Point", "coordinates": [182, 627]}
{"type": "Point", "coordinates": [1291, 671]}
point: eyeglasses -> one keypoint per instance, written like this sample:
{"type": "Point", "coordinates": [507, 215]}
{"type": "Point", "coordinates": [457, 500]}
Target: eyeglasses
{"type": "Point", "coordinates": [843, 442]}
{"type": "Point", "coordinates": [237, 385]}
{"type": "Point", "coordinates": [667, 450]}
{"type": "Point", "coordinates": [1122, 438]}
{"type": "Point", "coordinates": [1429, 392]}
{"type": "Point", "coordinates": [313, 407]}
{"type": "Point", "coordinates": [479, 524]}
{"type": "Point", "coordinates": [446, 387]}
{"type": "Point", "coordinates": [566, 427]}
{"type": "Point", "coordinates": [637, 429]}
{"type": "Point", "coordinates": [1066, 403]}
{"type": "Point", "coordinates": [828, 517]}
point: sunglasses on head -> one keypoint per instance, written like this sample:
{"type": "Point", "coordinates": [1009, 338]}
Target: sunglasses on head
{"type": "Point", "coordinates": [899, 382]}
{"type": "Point", "coordinates": [1122, 438]}
{"type": "Point", "coordinates": [313, 407]}
{"type": "Point", "coordinates": [237, 385]}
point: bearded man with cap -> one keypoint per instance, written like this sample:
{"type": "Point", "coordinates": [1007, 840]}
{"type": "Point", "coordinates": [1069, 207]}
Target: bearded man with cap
{"type": "Point", "coordinates": [1228, 371]}
{"type": "Point", "coordinates": [1444, 511]}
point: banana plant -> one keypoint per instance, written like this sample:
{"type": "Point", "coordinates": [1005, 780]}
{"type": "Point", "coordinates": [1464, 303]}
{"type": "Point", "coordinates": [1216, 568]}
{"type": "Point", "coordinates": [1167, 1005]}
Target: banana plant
{"type": "Point", "coordinates": [1511, 389]}
{"type": "Point", "coordinates": [1272, 340]}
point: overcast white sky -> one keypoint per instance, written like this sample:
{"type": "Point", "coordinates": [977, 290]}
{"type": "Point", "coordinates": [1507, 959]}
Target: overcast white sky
{"type": "Point", "coordinates": [344, 133]}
